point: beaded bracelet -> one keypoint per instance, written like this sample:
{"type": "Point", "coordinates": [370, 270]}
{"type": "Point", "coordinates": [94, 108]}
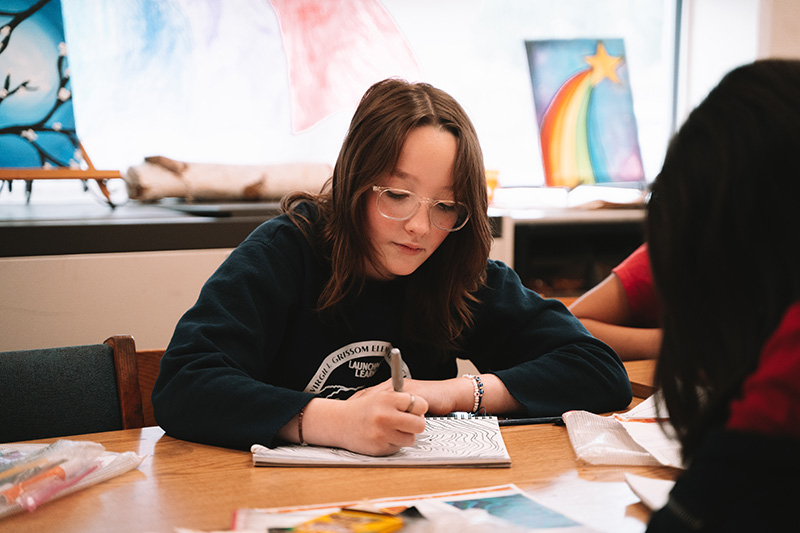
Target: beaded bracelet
{"type": "Point", "coordinates": [477, 384]}
{"type": "Point", "coordinates": [300, 427]}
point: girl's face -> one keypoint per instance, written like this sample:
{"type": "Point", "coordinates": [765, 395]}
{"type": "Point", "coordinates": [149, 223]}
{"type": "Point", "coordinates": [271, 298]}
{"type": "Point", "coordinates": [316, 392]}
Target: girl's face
{"type": "Point", "coordinates": [425, 167]}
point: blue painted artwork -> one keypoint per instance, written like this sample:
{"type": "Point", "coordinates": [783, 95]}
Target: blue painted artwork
{"type": "Point", "coordinates": [37, 125]}
{"type": "Point", "coordinates": [519, 510]}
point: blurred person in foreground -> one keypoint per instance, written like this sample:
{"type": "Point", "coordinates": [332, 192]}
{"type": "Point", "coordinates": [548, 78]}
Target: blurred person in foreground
{"type": "Point", "coordinates": [723, 231]}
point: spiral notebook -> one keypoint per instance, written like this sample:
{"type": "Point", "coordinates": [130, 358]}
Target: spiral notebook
{"type": "Point", "coordinates": [446, 441]}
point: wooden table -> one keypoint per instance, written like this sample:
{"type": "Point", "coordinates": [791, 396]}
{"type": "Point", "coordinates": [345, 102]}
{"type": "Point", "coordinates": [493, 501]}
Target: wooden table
{"type": "Point", "coordinates": [188, 485]}
{"type": "Point", "coordinates": [641, 375]}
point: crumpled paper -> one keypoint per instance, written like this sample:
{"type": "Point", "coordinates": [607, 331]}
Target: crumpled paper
{"type": "Point", "coordinates": [637, 437]}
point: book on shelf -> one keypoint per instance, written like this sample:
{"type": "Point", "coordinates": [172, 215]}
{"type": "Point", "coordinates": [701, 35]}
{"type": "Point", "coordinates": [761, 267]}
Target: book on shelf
{"type": "Point", "coordinates": [446, 441]}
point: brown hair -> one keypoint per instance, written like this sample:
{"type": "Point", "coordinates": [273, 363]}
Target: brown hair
{"type": "Point", "coordinates": [438, 295]}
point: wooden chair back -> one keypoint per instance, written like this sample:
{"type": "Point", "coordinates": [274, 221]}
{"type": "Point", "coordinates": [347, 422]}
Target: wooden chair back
{"type": "Point", "coordinates": [149, 362]}
{"type": "Point", "coordinates": [54, 392]}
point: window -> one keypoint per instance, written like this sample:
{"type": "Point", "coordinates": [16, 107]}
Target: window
{"type": "Point", "coordinates": [208, 81]}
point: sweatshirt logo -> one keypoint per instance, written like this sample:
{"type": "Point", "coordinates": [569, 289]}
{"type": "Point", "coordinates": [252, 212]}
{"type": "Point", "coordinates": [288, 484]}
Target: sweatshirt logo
{"type": "Point", "coordinates": [350, 368]}
{"type": "Point", "coordinates": [363, 369]}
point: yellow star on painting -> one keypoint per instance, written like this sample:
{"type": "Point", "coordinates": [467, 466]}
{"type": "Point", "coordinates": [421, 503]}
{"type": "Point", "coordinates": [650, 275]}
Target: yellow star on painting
{"type": "Point", "coordinates": [603, 65]}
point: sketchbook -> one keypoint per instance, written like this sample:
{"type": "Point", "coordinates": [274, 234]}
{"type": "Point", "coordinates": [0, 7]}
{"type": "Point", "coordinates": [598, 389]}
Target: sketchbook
{"type": "Point", "coordinates": [446, 441]}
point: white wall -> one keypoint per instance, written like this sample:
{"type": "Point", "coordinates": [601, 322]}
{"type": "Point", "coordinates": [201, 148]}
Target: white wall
{"type": "Point", "coordinates": [779, 29]}
{"type": "Point", "coordinates": [68, 300]}
{"type": "Point", "coordinates": [83, 299]}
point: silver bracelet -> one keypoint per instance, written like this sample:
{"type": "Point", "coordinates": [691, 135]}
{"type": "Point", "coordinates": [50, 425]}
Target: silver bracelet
{"type": "Point", "coordinates": [477, 385]}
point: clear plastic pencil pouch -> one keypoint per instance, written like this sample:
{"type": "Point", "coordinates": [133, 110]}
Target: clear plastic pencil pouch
{"type": "Point", "coordinates": [33, 474]}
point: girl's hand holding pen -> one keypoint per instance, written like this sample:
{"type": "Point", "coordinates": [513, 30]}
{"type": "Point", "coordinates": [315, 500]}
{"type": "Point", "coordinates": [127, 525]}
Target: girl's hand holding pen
{"type": "Point", "coordinates": [383, 421]}
{"type": "Point", "coordinates": [373, 421]}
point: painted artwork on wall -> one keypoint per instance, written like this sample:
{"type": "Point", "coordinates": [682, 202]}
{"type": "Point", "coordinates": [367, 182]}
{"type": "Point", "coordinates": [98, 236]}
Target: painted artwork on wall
{"type": "Point", "coordinates": [37, 126]}
{"type": "Point", "coordinates": [335, 50]}
{"type": "Point", "coordinates": [244, 82]}
{"type": "Point", "coordinates": [584, 109]}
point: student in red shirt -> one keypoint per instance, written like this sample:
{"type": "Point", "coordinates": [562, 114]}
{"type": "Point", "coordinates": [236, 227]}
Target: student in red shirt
{"type": "Point", "coordinates": [623, 310]}
{"type": "Point", "coordinates": [723, 231]}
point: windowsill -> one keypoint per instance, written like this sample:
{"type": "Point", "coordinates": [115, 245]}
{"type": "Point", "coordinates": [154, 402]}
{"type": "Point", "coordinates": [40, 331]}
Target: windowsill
{"type": "Point", "coordinates": [56, 229]}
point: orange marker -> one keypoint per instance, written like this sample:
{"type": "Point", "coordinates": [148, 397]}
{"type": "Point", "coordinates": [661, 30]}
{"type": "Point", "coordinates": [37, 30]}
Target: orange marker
{"type": "Point", "coordinates": [13, 492]}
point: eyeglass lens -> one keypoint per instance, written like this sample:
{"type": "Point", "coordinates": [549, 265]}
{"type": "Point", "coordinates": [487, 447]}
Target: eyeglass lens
{"type": "Point", "coordinates": [400, 205]}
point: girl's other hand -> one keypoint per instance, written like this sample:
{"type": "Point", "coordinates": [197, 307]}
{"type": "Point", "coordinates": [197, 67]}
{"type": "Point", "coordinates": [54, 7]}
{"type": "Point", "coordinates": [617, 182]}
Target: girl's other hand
{"type": "Point", "coordinates": [440, 395]}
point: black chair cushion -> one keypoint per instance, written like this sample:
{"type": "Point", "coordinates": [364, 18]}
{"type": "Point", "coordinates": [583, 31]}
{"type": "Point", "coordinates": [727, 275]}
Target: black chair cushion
{"type": "Point", "coordinates": [58, 392]}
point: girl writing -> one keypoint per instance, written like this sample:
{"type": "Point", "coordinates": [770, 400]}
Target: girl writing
{"type": "Point", "coordinates": [289, 339]}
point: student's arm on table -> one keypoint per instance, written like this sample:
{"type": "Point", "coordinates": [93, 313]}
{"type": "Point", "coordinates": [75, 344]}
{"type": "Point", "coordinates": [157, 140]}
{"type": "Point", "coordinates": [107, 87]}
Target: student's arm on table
{"type": "Point", "coordinates": [606, 313]}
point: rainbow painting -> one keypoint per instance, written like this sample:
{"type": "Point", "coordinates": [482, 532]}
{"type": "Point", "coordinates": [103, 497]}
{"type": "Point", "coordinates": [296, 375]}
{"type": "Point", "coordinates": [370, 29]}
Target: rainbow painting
{"type": "Point", "coordinates": [584, 109]}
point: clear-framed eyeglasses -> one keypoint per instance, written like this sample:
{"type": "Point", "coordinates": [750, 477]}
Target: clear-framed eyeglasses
{"type": "Point", "coordinates": [400, 204]}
